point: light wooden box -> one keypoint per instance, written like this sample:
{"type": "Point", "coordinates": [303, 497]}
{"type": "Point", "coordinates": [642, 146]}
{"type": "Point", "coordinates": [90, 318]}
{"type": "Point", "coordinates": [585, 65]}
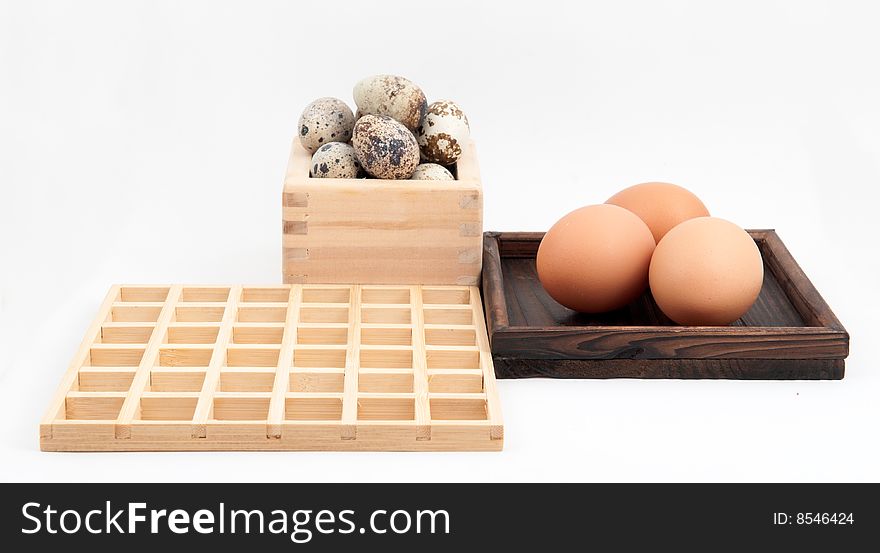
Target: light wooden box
{"type": "Point", "coordinates": [374, 231]}
{"type": "Point", "coordinates": [285, 367]}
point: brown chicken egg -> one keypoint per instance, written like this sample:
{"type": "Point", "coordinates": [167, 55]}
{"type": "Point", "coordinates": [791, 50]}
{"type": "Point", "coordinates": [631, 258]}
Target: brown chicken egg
{"type": "Point", "coordinates": [596, 258]}
{"type": "Point", "coordinates": [706, 271]}
{"type": "Point", "coordinates": [661, 205]}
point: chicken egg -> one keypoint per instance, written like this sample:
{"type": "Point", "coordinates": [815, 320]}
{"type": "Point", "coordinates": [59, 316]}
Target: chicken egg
{"type": "Point", "coordinates": [661, 205]}
{"type": "Point", "coordinates": [706, 271]}
{"type": "Point", "coordinates": [596, 258]}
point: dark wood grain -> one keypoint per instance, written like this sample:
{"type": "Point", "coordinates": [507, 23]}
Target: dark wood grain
{"type": "Point", "coordinates": [639, 342]}
{"type": "Point", "coordinates": [796, 286]}
{"type": "Point", "coordinates": [790, 327]}
{"type": "Point", "coordinates": [493, 296]}
{"type": "Point", "coordinates": [738, 369]}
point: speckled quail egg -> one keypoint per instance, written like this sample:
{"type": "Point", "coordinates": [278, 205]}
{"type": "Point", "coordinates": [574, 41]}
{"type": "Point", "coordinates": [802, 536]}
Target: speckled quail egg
{"type": "Point", "coordinates": [335, 160]}
{"type": "Point", "coordinates": [431, 171]}
{"type": "Point", "coordinates": [385, 148]}
{"type": "Point", "coordinates": [396, 97]}
{"type": "Point", "coordinates": [444, 133]}
{"type": "Point", "coordinates": [325, 120]}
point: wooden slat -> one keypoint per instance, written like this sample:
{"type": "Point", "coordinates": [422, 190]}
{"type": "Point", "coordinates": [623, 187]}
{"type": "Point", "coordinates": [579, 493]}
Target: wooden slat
{"type": "Point", "coordinates": [205, 405]}
{"type": "Point", "coordinates": [239, 395]}
{"type": "Point", "coordinates": [352, 365]}
{"type": "Point", "coordinates": [80, 394]}
{"type": "Point", "coordinates": [493, 404]}
{"type": "Point", "coordinates": [55, 411]}
{"type": "Point", "coordinates": [385, 325]}
{"type": "Point", "coordinates": [321, 347]}
{"type": "Point", "coordinates": [420, 366]}
{"type": "Point", "coordinates": [313, 395]}
{"type": "Point", "coordinates": [459, 395]}
{"type": "Point", "coordinates": [285, 362]}
{"type": "Point", "coordinates": [649, 343]}
{"type": "Point", "coordinates": [323, 325]}
{"type": "Point", "coordinates": [150, 394]}
{"type": "Point", "coordinates": [131, 406]}
{"type": "Point", "coordinates": [386, 347]}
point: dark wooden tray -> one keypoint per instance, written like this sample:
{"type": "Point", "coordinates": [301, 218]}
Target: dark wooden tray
{"type": "Point", "coordinates": [790, 332]}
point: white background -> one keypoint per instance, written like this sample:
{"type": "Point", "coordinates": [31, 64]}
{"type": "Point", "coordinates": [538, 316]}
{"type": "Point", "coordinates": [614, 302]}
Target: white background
{"type": "Point", "coordinates": [146, 141]}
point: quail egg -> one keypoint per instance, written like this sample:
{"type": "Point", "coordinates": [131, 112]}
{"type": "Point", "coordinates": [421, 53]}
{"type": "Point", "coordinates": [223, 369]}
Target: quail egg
{"type": "Point", "coordinates": [385, 148]}
{"type": "Point", "coordinates": [325, 120]}
{"type": "Point", "coordinates": [444, 133]}
{"type": "Point", "coordinates": [431, 171]}
{"type": "Point", "coordinates": [335, 160]}
{"type": "Point", "coordinates": [396, 97]}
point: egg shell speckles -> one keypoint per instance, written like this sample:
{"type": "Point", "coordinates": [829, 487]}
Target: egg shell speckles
{"type": "Point", "coordinates": [431, 171]}
{"type": "Point", "coordinates": [325, 120]}
{"type": "Point", "coordinates": [444, 133]}
{"type": "Point", "coordinates": [335, 160]}
{"type": "Point", "coordinates": [396, 97]}
{"type": "Point", "coordinates": [385, 148]}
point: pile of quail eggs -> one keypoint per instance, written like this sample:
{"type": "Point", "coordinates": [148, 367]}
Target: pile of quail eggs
{"type": "Point", "coordinates": [395, 134]}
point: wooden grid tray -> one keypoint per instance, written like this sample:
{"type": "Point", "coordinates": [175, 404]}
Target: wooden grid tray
{"type": "Point", "coordinates": [290, 367]}
{"type": "Point", "coordinates": [789, 333]}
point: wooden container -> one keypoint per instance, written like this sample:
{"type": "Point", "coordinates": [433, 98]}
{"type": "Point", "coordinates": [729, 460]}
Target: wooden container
{"type": "Point", "coordinates": [291, 367]}
{"type": "Point", "coordinates": [790, 332]}
{"type": "Point", "coordinates": [373, 231]}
